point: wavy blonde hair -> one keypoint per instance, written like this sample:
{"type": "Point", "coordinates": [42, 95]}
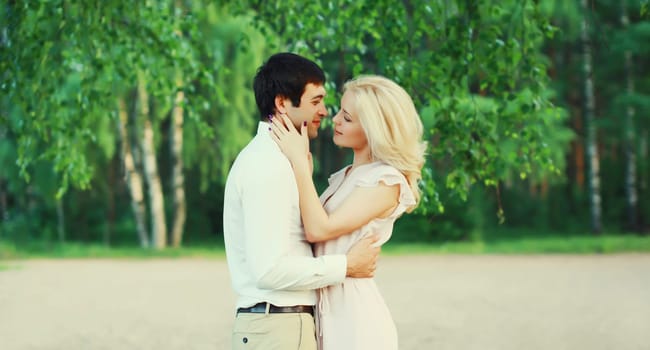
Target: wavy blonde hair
{"type": "Point", "coordinates": [392, 126]}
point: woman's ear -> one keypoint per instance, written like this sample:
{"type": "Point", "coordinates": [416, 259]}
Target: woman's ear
{"type": "Point", "coordinates": [281, 104]}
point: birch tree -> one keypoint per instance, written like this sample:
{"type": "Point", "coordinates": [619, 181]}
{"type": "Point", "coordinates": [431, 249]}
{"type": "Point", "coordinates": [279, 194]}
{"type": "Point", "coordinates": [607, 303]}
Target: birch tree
{"type": "Point", "coordinates": [4, 212]}
{"type": "Point", "coordinates": [176, 149]}
{"type": "Point", "coordinates": [132, 176]}
{"type": "Point", "coordinates": [630, 135]}
{"type": "Point", "coordinates": [154, 187]}
{"type": "Point", "coordinates": [593, 161]}
{"type": "Point", "coordinates": [178, 179]}
{"type": "Point", "coordinates": [62, 75]}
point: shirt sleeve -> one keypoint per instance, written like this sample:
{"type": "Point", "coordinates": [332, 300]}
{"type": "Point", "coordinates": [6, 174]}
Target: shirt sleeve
{"type": "Point", "coordinates": [267, 205]}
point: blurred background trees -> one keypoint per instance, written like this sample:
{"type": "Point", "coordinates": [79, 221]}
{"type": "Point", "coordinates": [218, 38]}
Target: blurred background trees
{"type": "Point", "coordinates": [119, 121]}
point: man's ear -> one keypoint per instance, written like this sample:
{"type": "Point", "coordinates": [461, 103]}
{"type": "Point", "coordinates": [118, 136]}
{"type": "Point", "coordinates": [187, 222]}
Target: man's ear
{"type": "Point", "coordinates": [281, 104]}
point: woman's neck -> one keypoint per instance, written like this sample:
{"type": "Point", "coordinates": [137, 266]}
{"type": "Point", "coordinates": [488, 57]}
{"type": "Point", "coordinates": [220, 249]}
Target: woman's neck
{"type": "Point", "coordinates": [361, 157]}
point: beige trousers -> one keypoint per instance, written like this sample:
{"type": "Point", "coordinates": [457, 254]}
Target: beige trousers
{"type": "Point", "coordinates": [274, 332]}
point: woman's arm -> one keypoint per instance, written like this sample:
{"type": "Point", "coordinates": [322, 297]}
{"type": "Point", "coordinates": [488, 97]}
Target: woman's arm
{"type": "Point", "coordinates": [359, 208]}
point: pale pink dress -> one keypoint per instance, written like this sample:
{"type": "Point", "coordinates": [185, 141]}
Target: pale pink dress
{"type": "Point", "coordinates": [353, 315]}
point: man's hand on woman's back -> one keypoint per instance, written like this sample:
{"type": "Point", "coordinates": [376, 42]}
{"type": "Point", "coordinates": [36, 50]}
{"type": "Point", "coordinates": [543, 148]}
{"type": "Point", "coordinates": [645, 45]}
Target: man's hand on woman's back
{"type": "Point", "coordinates": [362, 258]}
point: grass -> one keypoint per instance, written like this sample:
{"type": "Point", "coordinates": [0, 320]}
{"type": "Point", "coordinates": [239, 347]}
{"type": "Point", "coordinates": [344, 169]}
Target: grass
{"type": "Point", "coordinates": [38, 250]}
{"type": "Point", "coordinates": [496, 244]}
{"type": "Point", "coordinates": [605, 244]}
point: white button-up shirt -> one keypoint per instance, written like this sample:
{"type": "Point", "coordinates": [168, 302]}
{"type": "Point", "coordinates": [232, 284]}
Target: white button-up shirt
{"type": "Point", "coordinates": [268, 257]}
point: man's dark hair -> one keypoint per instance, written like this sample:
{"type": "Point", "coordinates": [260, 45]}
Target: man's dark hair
{"type": "Point", "coordinates": [284, 74]}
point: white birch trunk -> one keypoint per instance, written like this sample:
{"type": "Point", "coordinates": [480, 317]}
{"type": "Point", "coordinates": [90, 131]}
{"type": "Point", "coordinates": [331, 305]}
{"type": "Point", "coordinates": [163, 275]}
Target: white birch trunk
{"type": "Point", "coordinates": [593, 161]}
{"type": "Point", "coordinates": [60, 216]}
{"type": "Point", "coordinates": [643, 147]}
{"type": "Point", "coordinates": [630, 137]}
{"type": "Point", "coordinates": [4, 209]}
{"type": "Point", "coordinates": [132, 177]}
{"type": "Point", "coordinates": [156, 199]}
{"type": "Point", "coordinates": [176, 148]}
{"type": "Point", "coordinates": [644, 152]}
{"type": "Point", "coordinates": [178, 180]}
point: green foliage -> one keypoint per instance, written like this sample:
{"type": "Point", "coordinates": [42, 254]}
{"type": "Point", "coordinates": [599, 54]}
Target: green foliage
{"type": "Point", "coordinates": [644, 9]}
{"type": "Point", "coordinates": [232, 51]}
{"type": "Point", "coordinates": [461, 220]}
{"type": "Point", "coordinates": [473, 68]}
{"type": "Point", "coordinates": [478, 72]}
{"type": "Point", "coordinates": [67, 63]}
{"type": "Point", "coordinates": [566, 18]}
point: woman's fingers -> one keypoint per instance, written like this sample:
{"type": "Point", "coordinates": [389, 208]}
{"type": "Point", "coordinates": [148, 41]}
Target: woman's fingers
{"type": "Point", "coordinates": [284, 128]}
{"type": "Point", "coordinates": [303, 129]}
{"type": "Point", "coordinates": [274, 136]}
{"type": "Point", "coordinates": [275, 132]}
{"type": "Point", "coordinates": [288, 123]}
{"type": "Point", "coordinates": [277, 126]}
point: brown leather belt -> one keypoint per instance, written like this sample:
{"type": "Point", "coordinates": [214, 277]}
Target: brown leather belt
{"type": "Point", "coordinates": [260, 308]}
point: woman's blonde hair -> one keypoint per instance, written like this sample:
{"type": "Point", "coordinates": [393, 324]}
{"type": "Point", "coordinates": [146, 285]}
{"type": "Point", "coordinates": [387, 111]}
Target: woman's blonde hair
{"type": "Point", "coordinates": [392, 126]}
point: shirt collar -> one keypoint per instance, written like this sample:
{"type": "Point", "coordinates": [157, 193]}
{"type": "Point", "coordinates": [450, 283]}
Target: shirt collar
{"type": "Point", "coordinates": [263, 129]}
{"type": "Point", "coordinates": [263, 133]}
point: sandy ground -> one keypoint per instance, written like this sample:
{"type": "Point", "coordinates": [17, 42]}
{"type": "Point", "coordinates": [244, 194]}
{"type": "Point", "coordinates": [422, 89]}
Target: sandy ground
{"type": "Point", "coordinates": [438, 302]}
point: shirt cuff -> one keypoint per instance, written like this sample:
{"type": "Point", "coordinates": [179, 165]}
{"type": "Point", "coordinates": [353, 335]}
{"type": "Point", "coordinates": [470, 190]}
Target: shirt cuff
{"type": "Point", "coordinates": [335, 268]}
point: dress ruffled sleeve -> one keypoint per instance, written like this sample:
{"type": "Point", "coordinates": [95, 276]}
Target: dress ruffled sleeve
{"type": "Point", "coordinates": [334, 182]}
{"type": "Point", "coordinates": [390, 176]}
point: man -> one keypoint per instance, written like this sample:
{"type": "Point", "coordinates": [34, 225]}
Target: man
{"type": "Point", "coordinates": [271, 264]}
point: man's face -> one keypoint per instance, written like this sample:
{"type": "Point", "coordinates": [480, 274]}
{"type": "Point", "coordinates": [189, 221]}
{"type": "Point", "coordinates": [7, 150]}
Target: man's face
{"type": "Point", "coordinates": [312, 109]}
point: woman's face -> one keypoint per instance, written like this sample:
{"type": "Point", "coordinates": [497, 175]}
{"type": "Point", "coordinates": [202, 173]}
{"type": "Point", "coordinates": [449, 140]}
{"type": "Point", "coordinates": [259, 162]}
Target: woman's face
{"type": "Point", "coordinates": [347, 127]}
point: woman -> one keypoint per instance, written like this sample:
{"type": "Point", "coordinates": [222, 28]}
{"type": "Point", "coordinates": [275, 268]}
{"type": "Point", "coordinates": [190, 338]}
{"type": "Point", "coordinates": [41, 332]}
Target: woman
{"type": "Point", "coordinates": [379, 122]}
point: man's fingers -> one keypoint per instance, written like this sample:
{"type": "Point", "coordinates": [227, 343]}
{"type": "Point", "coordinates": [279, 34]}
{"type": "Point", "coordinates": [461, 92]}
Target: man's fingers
{"type": "Point", "coordinates": [372, 239]}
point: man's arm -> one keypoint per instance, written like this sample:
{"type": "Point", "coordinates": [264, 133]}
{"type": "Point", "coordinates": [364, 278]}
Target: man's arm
{"type": "Point", "coordinates": [266, 201]}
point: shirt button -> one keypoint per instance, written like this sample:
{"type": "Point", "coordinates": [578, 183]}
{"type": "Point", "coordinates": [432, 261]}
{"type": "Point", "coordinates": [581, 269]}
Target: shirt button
{"type": "Point", "coordinates": [245, 340]}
